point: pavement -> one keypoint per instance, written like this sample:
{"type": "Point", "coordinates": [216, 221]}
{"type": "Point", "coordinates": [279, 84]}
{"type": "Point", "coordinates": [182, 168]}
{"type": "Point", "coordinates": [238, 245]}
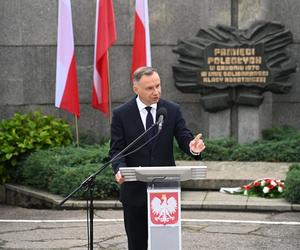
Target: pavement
{"type": "Point", "coordinates": [195, 195]}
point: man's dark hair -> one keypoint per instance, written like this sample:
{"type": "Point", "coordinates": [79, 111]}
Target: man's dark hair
{"type": "Point", "coordinates": [142, 71]}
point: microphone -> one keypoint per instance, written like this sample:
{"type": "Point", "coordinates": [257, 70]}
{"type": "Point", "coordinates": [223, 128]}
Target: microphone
{"type": "Point", "coordinates": [160, 116]}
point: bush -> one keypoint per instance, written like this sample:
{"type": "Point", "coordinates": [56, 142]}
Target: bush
{"type": "Point", "coordinates": [68, 179]}
{"type": "Point", "coordinates": [61, 170]}
{"type": "Point", "coordinates": [215, 150]}
{"type": "Point", "coordinates": [279, 133]}
{"type": "Point", "coordinates": [278, 151]}
{"type": "Point", "coordinates": [23, 134]}
{"type": "Point", "coordinates": [218, 150]}
{"type": "Point", "coordinates": [279, 144]}
{"type": "Point", "coordinates": [292, 184]}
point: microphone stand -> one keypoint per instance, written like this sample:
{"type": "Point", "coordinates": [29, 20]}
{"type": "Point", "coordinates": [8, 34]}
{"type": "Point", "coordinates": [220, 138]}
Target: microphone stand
{"type": "Point", "coordinates": [89, 183]}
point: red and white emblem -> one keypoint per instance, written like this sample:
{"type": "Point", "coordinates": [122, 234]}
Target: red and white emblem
{"type": "Point", "coordinates": [164, 208]}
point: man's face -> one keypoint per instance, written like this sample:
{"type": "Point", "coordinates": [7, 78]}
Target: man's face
{"type": "Point", "coordinates": [148, 89]}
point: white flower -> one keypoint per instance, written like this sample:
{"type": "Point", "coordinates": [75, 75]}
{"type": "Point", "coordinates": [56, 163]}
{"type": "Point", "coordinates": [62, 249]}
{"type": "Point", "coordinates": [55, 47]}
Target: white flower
{"type": "Point", "coordinates": [280, 189]}
{"type": "Point", "coordinates": [263, 183]}
{"type": "Point", "coordinates": [245, 192]}
{"type": "Point", "coordinates": [266, 190]}
{"type": "Point", "coordinates": [273, 183]}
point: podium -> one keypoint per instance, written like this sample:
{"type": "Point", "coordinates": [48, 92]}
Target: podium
{"type": "Point", "coordinates": [164, 201]}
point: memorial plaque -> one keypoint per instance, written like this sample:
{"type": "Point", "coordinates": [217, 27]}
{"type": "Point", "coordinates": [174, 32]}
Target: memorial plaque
{"type": "Point", "coordinates": [228, 66]}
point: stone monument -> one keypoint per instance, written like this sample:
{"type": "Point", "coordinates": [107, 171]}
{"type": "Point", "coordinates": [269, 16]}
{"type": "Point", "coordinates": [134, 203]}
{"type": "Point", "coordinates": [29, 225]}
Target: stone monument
{"type": "Point", "coordinates": [232, 70]}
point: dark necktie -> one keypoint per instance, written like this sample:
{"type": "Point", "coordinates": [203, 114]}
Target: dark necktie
{"type": "Point", "coordinates": [149, 121]}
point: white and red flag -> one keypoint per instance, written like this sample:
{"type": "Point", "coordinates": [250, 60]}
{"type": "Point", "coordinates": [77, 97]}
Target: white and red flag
{"type": "Point", "coordinates": [105, 36]}
{"type": "Point", "coordinates": [66, 92]}
{"type": "Point", "coordinates": [141, 53]}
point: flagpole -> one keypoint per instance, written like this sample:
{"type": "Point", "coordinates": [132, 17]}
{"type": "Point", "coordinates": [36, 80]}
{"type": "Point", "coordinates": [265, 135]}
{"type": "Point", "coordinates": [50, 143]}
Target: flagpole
{"type": "Point", "coordinates": [76, 130]}
{"type": "Point", "coordinates": [109, 90]}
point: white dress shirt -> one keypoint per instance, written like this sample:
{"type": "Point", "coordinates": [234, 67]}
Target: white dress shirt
{"type": "Point", "coordinates": [144, 112]}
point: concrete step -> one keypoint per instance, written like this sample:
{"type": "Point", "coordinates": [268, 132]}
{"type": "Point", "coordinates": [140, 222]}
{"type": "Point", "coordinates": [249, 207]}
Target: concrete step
{"type": "Point", "coordinates": [233, 174]}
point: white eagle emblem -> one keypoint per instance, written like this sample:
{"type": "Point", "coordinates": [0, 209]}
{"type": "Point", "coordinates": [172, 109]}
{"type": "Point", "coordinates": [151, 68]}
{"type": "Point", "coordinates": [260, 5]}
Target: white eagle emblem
{"type": "Point", "coordinates": [164, 208]}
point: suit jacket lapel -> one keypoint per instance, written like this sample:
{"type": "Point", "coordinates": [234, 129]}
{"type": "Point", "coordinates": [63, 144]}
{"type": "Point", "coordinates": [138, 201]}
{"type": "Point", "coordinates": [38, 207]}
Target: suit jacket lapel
{"type": "Point", "coordinates": [136, 115]}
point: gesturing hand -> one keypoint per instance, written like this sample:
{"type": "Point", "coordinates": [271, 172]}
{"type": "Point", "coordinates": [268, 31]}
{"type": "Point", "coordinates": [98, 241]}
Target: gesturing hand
{"type": "Point", "coordinates": [197, 145]}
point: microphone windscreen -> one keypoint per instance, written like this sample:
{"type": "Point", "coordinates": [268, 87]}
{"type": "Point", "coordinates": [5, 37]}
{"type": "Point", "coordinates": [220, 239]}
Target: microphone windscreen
{"type": "Point", "coordinates": [161, 111]}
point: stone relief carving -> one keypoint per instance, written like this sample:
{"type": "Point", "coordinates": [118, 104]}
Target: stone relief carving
{"type": "Point", "coordinates": [228, 66]}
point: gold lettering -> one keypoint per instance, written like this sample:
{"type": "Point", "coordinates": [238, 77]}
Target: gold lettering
{"type": "Point", "coordinates": [230, 67]}
{"type": "Point", "coordinates": [234, 52]}
{"type": "Point", "coordinates": [214, 73]}
{"type": "Point", "coordinates": [234, 66]}
{"type": "Point", "coordinates": [213, 79]}
{"type": "Point", "coordinates": [203, 73]}
{"type": "Point", "coordinates": [234, 60]}
{"type": "Point", "coordinates": [210, 60]}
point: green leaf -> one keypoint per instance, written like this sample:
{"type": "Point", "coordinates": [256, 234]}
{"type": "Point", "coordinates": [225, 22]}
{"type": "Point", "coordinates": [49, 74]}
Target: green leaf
{"type": "Point", "coordinates": [8, 156]}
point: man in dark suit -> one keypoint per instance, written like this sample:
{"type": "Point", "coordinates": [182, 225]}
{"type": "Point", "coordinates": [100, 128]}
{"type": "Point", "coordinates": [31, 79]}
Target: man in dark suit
{"type": "Point", "coordinates": [128, 122]}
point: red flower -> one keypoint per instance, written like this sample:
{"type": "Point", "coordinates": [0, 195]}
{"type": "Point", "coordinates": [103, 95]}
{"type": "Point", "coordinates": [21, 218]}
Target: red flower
{"type": "Point", "coordinates": [271, 187]}
{"type": "Point", "coordinates": [268, 181]}
{"type": "Point", "coordinates": [256, 184]}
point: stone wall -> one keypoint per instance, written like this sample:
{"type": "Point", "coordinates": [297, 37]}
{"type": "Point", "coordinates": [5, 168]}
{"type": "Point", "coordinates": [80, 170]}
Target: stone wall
{"type": "Point", "coordinates": [28, 55]}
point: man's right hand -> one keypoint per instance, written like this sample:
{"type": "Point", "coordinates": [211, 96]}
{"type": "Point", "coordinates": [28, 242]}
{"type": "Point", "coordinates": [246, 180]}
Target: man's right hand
{"type": "Point", "coordinates": [119, 178]}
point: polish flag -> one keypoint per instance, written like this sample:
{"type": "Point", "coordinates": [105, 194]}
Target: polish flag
{"type": "Point", "coordinates": [105, 36]}
{"type": "Point", "coordinates": [141, 53]}
{"type": "Point", "coordinates": [66, 92]}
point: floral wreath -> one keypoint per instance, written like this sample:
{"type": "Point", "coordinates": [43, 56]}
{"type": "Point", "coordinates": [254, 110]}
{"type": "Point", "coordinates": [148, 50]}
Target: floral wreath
{"type": "Point", "coordinates": [266, 187]}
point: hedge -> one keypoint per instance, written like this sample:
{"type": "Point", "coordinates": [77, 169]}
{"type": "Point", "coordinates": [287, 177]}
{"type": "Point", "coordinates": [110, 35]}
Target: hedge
{"type": "Point", "coordinates": [292, 184]}
{"type": "Point", "coordinates": [61, 170]}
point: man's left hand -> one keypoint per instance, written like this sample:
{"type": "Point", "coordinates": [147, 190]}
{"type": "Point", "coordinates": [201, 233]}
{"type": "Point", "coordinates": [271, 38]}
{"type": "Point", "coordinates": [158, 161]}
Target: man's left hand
{"type": "Point", "coordinates": [197, 145]}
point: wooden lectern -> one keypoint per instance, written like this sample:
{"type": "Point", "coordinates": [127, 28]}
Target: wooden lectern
{"type": "Point", "coordinates": [164, 201]}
